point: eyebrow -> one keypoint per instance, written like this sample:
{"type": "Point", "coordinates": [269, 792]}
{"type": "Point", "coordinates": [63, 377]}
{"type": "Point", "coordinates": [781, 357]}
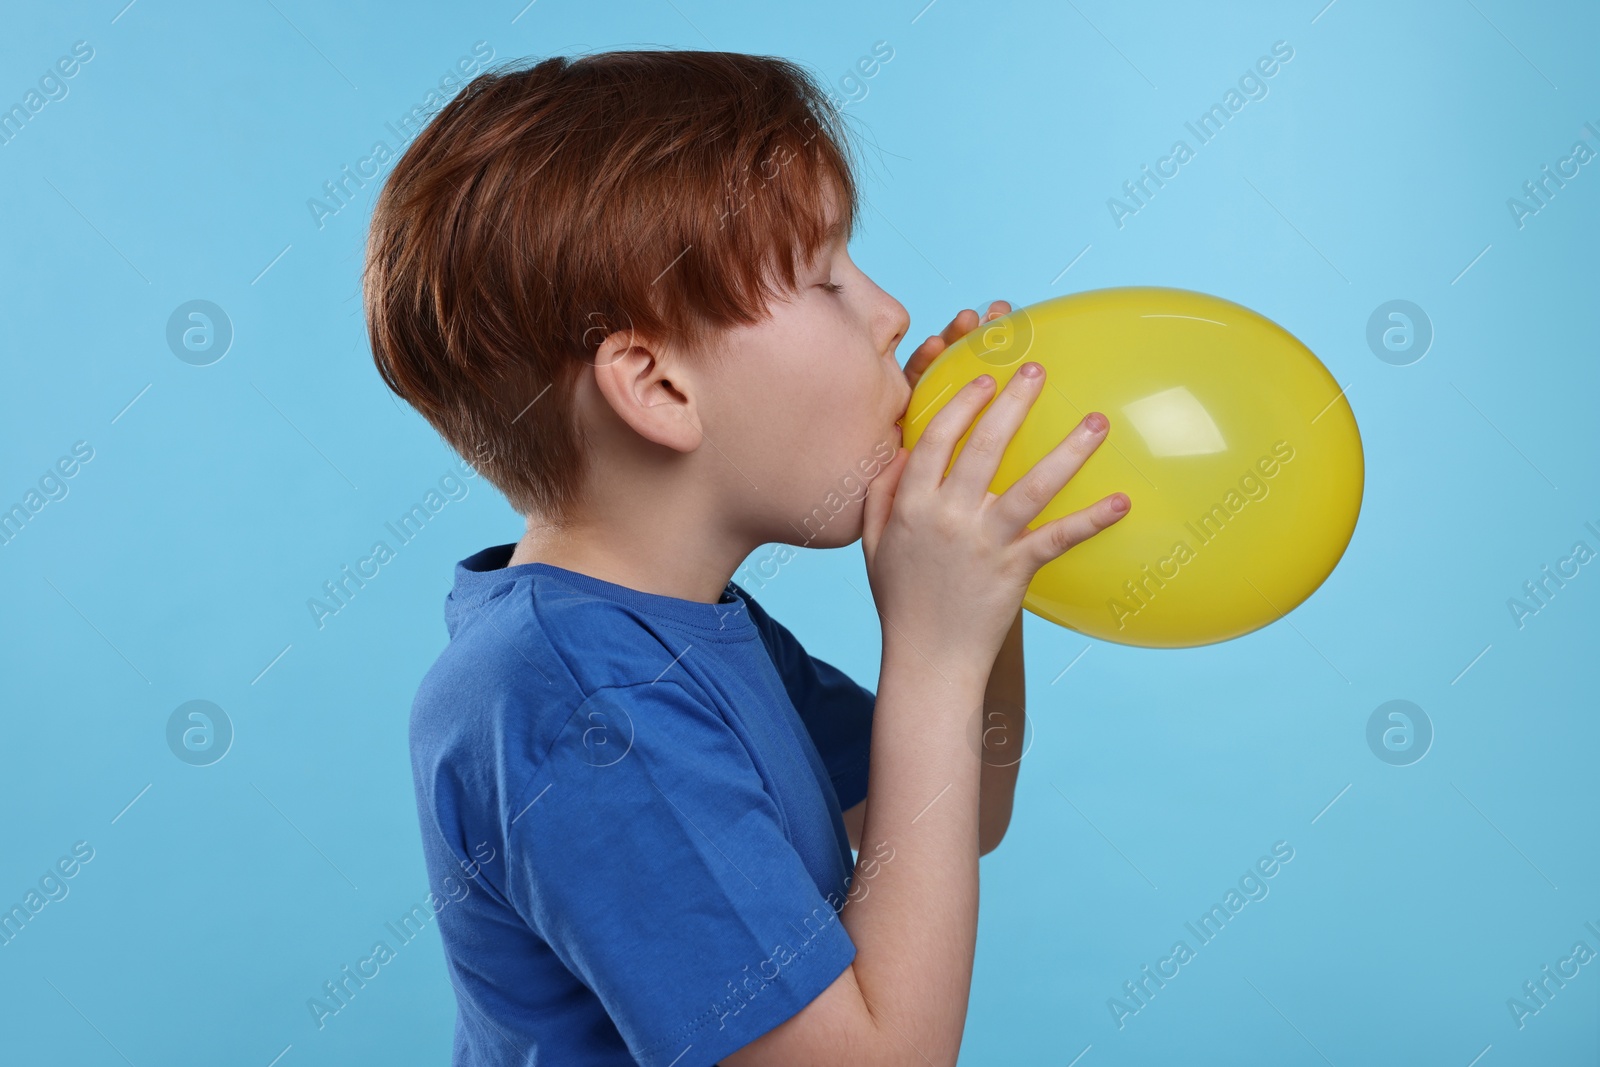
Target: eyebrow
{"type": "Point", "coordinates": [831, 233]}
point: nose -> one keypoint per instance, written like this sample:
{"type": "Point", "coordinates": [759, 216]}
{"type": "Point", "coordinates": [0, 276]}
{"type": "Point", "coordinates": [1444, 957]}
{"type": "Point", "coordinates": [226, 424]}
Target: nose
{"type": "Point", "coordinates": [899, 321]}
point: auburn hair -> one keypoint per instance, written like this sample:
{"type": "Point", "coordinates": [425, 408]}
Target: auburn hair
{"type": "Point", "coordinates": [670, 192]}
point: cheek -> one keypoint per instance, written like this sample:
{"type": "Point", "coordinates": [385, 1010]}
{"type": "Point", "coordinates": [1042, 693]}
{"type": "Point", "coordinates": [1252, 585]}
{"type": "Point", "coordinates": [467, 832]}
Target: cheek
{"type": "Point", "coordinates": [810, 402]}
{"type": "Point", "coordinates": [814, 443]}
{"type": "Point", "coordinates": [813, 408]}
{"type": "Point", "coordinates": [788, 428]}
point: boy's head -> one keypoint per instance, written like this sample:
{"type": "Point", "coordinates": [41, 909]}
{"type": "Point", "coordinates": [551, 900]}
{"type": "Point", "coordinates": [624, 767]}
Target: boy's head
{"type": "Point", "coordinates": [610, 284]}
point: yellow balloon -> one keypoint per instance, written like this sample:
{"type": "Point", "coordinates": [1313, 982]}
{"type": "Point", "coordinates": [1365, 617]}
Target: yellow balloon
{"type": "Point", "coordinates": [1236, 446]}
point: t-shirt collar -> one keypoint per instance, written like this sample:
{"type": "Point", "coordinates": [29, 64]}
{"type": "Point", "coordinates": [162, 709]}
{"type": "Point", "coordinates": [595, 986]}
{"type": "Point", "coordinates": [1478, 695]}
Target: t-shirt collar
{"type": "Point", "coordinates": [482, 572]}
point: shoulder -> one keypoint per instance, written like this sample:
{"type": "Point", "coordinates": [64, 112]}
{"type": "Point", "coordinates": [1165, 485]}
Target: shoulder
{"type": "Point", "coordinates": [543, 632]}
{"type": "Point", "coordinates": [521, 668]}
{"type": "Point", "coordinates": [777, 637]}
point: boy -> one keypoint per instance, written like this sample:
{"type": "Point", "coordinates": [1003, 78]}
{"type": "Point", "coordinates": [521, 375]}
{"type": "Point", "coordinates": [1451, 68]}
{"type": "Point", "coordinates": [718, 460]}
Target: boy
{"type": "Point", "coordinates": [620, 286]}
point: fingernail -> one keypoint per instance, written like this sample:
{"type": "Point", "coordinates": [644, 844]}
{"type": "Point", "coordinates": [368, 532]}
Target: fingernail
{"type": "Point", "coordinates": [983, 381]}
{"type": "Point", "coordinates": [1119, 503]}
{"type": "Point", "coordinates": [1095, 421]}
{"type": "Point", "coordinates": [1030, 370]}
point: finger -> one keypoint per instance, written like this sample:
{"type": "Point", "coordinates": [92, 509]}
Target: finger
{"type": "Point", "coordinates": [1029, 495]}
{"type": "Point", "coordinates": [925, 354]}
{"type": "Point", "coordinates": [880, 500]}
{"type": "Point", "coordinates": [964, 323]}
{"type": "Point", "coordinates": [980, 457]}
{"type": "Point", "coordinates": [930, 458]}
{"type": "Point", "coordinates": [1057, 536]}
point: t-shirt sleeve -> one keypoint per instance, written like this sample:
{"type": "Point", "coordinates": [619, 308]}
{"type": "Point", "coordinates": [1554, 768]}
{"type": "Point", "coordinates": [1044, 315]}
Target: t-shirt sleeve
{"type": "Point", "coordinates": [836, 710]}
{"type": "Point", "coordinates": [648, 854]}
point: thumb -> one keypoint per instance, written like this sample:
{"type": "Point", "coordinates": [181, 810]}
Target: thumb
{"type": "Point", "coordinates": [880, 499]}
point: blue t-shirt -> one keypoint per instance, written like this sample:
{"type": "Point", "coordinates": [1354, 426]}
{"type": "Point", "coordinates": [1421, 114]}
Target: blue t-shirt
{"type": "Point", "coordinates": [630, 808]}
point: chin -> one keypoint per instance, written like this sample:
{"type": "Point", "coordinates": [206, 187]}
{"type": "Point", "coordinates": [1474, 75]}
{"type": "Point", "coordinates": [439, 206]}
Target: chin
{"type": "Point", "coordinates": [825, 527]}
{"type": "Point", "coordinates": [842, 531]}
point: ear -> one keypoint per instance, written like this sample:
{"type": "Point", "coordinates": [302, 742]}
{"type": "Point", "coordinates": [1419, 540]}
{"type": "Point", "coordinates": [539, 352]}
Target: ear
{"type": "Point", "coordinates": [649, 389]}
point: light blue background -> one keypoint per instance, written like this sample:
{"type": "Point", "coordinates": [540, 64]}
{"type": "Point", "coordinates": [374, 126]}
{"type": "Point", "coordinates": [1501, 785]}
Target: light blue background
{"type": "Point", "coordinates": [179, 565]}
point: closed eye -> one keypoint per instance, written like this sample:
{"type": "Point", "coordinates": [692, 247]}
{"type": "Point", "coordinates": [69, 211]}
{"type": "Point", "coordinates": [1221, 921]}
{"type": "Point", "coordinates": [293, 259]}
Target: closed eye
{"type": "Point", "coordinates": [832, 287]}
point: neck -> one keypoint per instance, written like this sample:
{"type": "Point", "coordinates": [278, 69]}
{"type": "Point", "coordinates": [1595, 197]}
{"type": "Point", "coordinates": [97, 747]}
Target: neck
{"type": "Point", "coordinates": [696, 567]}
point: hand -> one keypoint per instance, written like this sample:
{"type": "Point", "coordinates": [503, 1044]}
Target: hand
{"type": "Point", "coordinates": [949, 561]}
{"type": "Point", "coordinates": [964, 323]}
